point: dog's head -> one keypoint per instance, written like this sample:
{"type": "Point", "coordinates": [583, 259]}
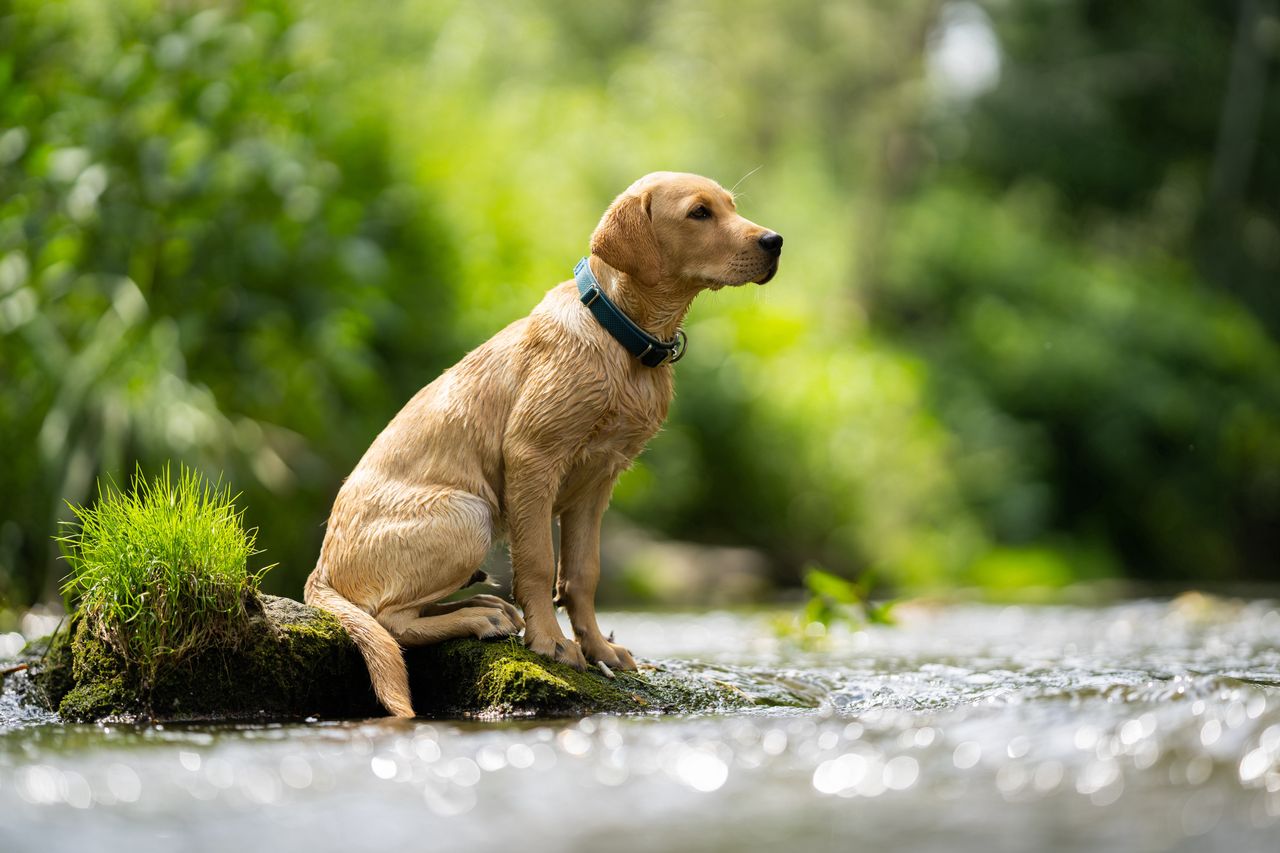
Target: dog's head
{"type": "Point", "coordinates": [672, 226]}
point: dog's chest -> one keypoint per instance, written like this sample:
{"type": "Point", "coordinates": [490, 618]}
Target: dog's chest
{"type": "Point", "coordinates": [633, 412]}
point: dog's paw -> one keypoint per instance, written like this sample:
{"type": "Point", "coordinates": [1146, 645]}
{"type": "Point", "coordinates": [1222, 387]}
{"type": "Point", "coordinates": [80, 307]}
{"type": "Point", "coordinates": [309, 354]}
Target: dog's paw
{"type": "Point", "coordinates": [625, 660]}
{"type": "Point", "coordinates": [558, 649]}
{"type": "Point", "coordinates": [495, 623]}
{"type": "Point", "coordinates": [513, 612]}
{"type": "Point", "coordinates": [567, 651]}
{"type": "Point", "coordinates": [610, 654]}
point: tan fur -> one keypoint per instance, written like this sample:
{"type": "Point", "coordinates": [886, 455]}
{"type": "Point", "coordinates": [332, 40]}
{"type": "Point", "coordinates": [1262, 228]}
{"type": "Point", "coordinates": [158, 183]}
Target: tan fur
{"type": "Point", "coordinates": [537, 422]}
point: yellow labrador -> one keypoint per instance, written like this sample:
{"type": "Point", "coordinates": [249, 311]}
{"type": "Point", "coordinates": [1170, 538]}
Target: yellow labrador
{"type": "Point", "coordinates": [537, 422]}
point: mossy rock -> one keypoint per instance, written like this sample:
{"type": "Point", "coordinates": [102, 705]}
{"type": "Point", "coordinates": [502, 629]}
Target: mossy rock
{"type": "Point", "coordinates": [297, 662]}
{"type": "Point", "coordinates": [294, 661]}
{"type": "Point", "coordinates": [503, 678]}
{"type": "Point", "coordinates": [49, 668]}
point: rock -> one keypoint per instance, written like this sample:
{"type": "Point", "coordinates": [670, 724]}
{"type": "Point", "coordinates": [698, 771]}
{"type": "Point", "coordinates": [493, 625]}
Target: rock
{"type": "Point", "coordinates": [298, 662]}
{"type": "Point", "coordinates": [294, 661]}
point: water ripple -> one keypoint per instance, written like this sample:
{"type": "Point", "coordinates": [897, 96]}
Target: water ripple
{"type": "Point", "coordinates": [1146, 726]}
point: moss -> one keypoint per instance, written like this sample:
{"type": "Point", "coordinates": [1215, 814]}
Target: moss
{"type": "Point", "coordinates": [50, 674]}
{"type": "Point", "coordinates": [103, 686]}
{"type": "Point", "coordinates": [516, 682]}
{"type": "Point", "coordinates": [97, 700]}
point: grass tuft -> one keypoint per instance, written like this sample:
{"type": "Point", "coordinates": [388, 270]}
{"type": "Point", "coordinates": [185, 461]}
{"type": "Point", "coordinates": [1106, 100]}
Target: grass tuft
{"type": "Point", "coordinates": [160, 571]}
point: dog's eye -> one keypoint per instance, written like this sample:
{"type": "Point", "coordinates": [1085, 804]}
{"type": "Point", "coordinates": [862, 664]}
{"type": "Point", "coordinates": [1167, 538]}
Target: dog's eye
{"type": "Point", "coordinates": [700, 212]}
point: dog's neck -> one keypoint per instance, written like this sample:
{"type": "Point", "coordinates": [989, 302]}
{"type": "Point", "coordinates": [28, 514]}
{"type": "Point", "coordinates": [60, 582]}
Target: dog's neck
{"type": "Point", "coordinates": [657, 308]}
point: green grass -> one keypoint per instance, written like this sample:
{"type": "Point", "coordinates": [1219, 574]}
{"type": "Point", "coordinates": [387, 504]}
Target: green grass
{"type": "Point", "coordinates": [161, 570]}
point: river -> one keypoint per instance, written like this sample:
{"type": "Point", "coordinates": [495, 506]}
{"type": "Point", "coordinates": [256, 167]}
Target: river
{"type": "Point", "coordinates": [1142, 726]}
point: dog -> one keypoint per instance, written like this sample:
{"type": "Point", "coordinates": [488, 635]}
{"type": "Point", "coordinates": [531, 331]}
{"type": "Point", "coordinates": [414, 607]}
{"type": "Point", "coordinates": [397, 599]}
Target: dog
{"type": "Point", "coordinates": [536, 423]}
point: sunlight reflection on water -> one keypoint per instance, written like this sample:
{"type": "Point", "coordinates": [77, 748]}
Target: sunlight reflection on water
{"type": "Point", "coordinates": [1144, 726]}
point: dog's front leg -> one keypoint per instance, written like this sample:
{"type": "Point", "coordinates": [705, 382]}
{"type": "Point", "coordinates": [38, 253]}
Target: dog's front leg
{"type": "Point", "coordinates": [580, 574]}
{"type": "Point", "coordinates": [529, 502]}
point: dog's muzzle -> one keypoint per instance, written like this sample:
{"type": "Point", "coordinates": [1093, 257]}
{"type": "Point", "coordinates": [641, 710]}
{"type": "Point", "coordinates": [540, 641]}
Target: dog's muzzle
{"type": "Point", "coordinates": [771, 243]}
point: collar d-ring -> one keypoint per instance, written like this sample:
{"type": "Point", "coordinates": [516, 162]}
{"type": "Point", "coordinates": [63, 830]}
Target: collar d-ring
{"type": "Point", "coordinates": [681, 344]}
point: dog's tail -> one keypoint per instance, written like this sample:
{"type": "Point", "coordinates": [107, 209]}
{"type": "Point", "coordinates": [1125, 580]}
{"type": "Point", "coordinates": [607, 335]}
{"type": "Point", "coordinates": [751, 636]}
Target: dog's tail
{"type": "Point", "coordinates": [381, 652]}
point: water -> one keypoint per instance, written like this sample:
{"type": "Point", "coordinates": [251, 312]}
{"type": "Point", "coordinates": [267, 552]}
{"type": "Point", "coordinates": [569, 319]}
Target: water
{"type": "Point", "coordinates": [1140, 727]}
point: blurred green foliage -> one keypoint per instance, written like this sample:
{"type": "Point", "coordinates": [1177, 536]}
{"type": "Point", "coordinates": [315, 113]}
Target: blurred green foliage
{"type": "Point", "coordinates": [1104, 401]}
{"type": "Point", "coordinates": [1023, 332]}
{"type": "Point", "coordinates": [197, 263]}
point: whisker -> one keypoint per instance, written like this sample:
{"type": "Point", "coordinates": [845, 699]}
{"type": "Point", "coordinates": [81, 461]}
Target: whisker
{"type": "Point", "coordinates": [734, 190]}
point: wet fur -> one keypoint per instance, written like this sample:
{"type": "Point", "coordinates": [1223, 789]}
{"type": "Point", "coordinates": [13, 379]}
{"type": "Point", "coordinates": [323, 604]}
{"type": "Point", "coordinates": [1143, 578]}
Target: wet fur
{"type": "Point", "coordinates": [537, 422]}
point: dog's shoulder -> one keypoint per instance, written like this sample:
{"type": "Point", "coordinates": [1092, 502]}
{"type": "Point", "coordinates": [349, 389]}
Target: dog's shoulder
{"type": "Point", "coordinates": [562, 314]}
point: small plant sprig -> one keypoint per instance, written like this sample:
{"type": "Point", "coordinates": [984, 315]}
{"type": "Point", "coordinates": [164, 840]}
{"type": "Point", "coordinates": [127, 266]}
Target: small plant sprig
{"type": "Point", "coordinates": [834, 600]}
{"type": "Point", "coordinates": [161, 570]}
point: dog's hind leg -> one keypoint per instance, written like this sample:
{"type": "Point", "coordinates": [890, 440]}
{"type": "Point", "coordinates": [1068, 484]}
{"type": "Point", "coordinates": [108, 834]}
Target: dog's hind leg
{"type": "Point", "coordinates": [493, 601]}
{"type": "Point", "coordinates": [414, 547]}
{"type": "Point", "coordinates": [410, 629]}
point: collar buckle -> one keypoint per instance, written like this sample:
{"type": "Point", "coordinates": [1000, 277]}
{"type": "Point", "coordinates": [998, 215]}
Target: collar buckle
{"type": "Point", "coordinates": [678, 346]}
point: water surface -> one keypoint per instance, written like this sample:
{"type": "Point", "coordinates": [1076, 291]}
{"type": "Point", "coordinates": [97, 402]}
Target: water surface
{"type": "Point", "coordinates": [1145, 726]}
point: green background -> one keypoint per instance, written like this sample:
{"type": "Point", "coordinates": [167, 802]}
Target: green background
{"type": "Point", "coordinates": [1024, 333]}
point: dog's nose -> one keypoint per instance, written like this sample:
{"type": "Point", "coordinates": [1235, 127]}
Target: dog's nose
{"type": "Point", "coordinates": [771, 242]}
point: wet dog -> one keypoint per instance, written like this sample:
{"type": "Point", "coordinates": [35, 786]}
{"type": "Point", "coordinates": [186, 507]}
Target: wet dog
{"type": "Point", "coordinates": [534, 424]}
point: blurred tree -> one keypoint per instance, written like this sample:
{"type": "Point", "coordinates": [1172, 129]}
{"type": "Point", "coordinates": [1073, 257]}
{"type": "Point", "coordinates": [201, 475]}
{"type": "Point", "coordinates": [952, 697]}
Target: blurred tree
{"type": "Point", "coordinates": [204, 254]}
{"type": "Point", "coordinates": [1100, 393]}
{"type": "Point", "coordinates": [1096, 399]}
{"type": "Point", "coordinates": [1162, 114]}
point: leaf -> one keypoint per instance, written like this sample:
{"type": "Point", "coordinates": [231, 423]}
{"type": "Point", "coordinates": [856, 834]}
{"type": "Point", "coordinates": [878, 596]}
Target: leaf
{"type": "Point", "coordinates": [833, 587]}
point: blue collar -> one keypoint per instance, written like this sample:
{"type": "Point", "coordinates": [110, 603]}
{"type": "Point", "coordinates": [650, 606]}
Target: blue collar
{"type": "Point", "coordinates": [644, 346]}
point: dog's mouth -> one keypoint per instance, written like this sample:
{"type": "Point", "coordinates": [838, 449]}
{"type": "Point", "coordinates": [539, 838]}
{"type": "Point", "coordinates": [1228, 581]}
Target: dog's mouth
{"type": "Point", "coordinates": [768, 276]}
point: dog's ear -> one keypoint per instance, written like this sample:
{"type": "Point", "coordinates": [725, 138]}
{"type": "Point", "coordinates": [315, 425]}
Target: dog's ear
{"type": "Point", "coordinates": [624, 239]}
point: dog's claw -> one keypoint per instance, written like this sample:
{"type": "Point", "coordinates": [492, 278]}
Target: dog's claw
{"type": "Point", "coordinates": [563, 651]}
{"type": "Point", "coordinates": [495, 624]}
{"type": "Point", "coordinates": [607, 655]}
{"type": "Point", "coordinates": [567, 652]}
